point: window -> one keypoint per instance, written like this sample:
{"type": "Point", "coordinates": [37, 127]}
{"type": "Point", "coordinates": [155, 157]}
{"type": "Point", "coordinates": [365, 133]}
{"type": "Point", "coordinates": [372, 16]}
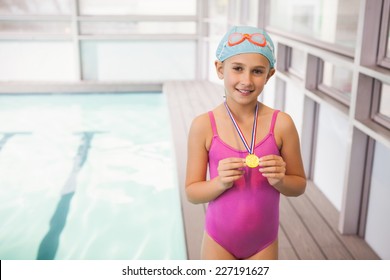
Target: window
{"type": "Point", "coordinates": [330, 153]}
{"type": "Point", "coordinates": [380, 112]}
{"type": "Point", "coordinates": [339, 49]}
{"type": "Point", "coordinates": [99, 40]}
{"type": "Point", "coordinates": [294, 104]}
{"type": "Point", "coordinates": [384, 104]}
{"type": "Point", "coordinates": [291, 60]}
{"type": "Point", "coordinates": [41, 7]}
{"type": "Point", "coordinates": [316, 19]}
{"type": "Point", "coordinates": [388, 46]}
{"type": "Point", "coordinates": [378, 230]}
{"type": "Point", "coordinates": [217, 24]}
{"type": "Point", "coordinates": [137, 7]}
{"type": "Point", "coordinates": [137, 27]}
{"type": "Point", "coordinates": [37, 61]}
{"type": "Point", "coordinates": [336, 81]}
{"type": "Point", "coordinates": [46, 17]}
{"type": "Point", "coordinates": [384, 41]}
{"type": "Point", "coordinates": [328, 79]}
{"type": "Point", "coordinates": [251, 13]}
{"type": "Point", "coordinates": [217, 17]}
{"type": "Point", "coordinates": [296, 62]}
{"type": "Point", "coordinates": [35, 27]}
{"type": "Point", "coordinates": [122, 60]}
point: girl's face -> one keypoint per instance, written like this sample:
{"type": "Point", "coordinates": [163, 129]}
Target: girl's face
{"type": "Point", "coordinates": [244, 76]}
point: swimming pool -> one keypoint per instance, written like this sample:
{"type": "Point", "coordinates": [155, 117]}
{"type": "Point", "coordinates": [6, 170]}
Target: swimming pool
{"type": "Point", "coordinates": [88, 176]}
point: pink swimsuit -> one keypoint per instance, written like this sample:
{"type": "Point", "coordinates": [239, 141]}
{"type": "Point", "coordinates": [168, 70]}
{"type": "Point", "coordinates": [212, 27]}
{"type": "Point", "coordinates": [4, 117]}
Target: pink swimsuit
{"type": "Point", "coordinates": [244, 219]}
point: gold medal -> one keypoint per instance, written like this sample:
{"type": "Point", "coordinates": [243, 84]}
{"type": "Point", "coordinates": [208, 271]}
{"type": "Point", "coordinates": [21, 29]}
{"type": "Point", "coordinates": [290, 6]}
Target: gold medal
{"type": "Point", "coordinates": [252, 160]}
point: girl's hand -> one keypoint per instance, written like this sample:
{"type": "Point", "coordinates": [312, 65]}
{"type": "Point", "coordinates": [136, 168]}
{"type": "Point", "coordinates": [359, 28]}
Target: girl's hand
{"type": "Point", "coordinates": [230, 170]}
{"type": "Point", "coordinates": [273, 168]}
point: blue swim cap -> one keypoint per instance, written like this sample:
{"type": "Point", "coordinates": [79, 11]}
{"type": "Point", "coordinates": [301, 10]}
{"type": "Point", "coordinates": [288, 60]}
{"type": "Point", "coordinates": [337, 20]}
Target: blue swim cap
{"type": "Point", "coordinates": [240, 39]}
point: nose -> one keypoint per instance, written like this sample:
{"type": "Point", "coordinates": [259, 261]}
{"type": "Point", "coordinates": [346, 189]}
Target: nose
{"type": "Point", "coordinates": [246, 78]}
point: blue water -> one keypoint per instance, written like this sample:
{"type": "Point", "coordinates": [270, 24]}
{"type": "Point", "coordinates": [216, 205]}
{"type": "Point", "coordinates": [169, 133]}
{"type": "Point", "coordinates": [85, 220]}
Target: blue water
{"type": "Point", "coordinates": [88, 177]}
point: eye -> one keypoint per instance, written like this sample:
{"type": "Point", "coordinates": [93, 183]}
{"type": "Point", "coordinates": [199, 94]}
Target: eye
{"type": "Point", "coordinates": [258, 71]}
{"type": "Point", "coordinates": [237, 68]}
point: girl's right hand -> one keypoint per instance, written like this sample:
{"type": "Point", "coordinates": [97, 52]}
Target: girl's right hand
{"type": "Point", "coordinates": [230, 170]}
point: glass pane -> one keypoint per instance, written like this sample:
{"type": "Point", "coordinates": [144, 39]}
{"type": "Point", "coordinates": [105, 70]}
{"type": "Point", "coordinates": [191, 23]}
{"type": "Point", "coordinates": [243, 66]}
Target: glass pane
{"type": "Point", "coordinates": [36, 27]}
{"type": "Point", "coordinates": [270, 93]}
{"type": "Point", "coordinates": [137, 7]}
{"type": "Point", "coordinates": [234, 13]}
{"type": "Point", "coordinates": [338, 78]}
{"type": "Point", "coordinates": [218, 11]}
{"type": "Point", "coordinates": [384, 107]}
{"type": "Point", "coordinates": [138, 27]}
{"type": "Point", "coordinates": [41, 7]}
{"type": "Point", "coordinates": [297, 62]}
{"type": "Point", "coordinates": [388, 44]}
{"type": "Point", "coordinates": [317, 19]}
{"type": "Point", "coordinates": [331, 153]}
{"type": "Point", "coordinates": [294, 102]}
{"type": "Point", "coordinates": [378, 230]}
{"type": "Point", "coordinates": [37, 61]}
{"type": "Point", "coordinates": [217, 30]}
{"type": "Point", "coordinates": [253, 9]}
{"type": "Point", "coordinates": [139, 61]}
{"type": "Point", "coordinates": [212, 74]}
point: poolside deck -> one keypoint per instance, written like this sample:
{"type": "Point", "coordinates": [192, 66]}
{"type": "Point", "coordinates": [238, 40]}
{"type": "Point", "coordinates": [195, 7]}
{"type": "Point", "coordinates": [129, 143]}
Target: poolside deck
{"type": "Point", "coordinates": [308, 224]}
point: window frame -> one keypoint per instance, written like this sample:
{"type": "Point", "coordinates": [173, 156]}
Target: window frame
{"type": "Point", "coordinates": [383, 58]}
{"type": "Point", "coordinates": [332, 92]}
{"type": "Point", "coordinates": [77, 38]}
{"type": "Point", "coordinates": [343, 50]}
{"type": "Point", "coordinates": [289, 68]}
{"type": "Point", "coordinates": [284, 58]}
{"type": "Point", "coordinates": [376, 116]}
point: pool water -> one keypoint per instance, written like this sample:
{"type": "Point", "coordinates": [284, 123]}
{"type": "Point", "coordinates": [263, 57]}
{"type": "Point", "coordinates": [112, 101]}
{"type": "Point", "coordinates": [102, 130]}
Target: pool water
{"type": "Point", "coordinates": [88, 177]}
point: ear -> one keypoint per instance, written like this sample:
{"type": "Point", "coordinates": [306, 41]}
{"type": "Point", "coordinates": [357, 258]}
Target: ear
{"type": "Point", "coordinates": [219, 68]}
{"type": "Point", "coordinates": [270, 74]}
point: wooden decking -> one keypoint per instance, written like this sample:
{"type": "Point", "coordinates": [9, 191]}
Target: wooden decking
{"type": "Point", "coordinates": [308, 224]}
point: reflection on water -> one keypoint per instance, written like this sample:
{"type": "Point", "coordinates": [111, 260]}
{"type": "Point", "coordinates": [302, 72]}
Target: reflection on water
{"type": "Point", "coordinates": [98, 178]}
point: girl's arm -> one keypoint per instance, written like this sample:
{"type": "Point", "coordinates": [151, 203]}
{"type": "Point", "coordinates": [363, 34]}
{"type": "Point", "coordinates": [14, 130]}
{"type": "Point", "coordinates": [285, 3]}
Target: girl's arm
{"type": "Point", "coordinates": [198, 188]}
{"type": "Point", "coordinates": [285, 172]}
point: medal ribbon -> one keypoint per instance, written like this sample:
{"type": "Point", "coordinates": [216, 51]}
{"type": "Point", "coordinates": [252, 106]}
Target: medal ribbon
{"type": "Point", "coordinates": [250, 148]}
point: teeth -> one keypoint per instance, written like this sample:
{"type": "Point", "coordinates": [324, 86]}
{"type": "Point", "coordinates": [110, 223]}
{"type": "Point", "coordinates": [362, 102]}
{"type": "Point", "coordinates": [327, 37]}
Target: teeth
{"type": "Point", "coordinates": [244, 91]}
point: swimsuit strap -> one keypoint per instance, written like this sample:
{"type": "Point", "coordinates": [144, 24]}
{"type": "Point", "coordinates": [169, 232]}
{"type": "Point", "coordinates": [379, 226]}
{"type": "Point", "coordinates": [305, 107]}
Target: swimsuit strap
{"type": "Point", "coordinates": [274, 116]}
{"type": "Point", "coordinates": [213, 125]}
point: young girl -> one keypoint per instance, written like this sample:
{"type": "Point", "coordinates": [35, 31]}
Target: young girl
{"type": "Point", "coordinates": [253, 153]}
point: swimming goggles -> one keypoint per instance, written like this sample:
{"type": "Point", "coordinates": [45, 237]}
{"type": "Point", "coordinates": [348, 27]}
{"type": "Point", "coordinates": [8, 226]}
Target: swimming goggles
{"type": "Point", "coordinates": [255, 38]}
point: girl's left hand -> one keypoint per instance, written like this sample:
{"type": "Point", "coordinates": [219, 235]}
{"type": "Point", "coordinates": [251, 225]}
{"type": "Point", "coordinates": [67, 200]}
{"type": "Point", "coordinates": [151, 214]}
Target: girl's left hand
{"type": "Point", "coordinates": [273, 168]}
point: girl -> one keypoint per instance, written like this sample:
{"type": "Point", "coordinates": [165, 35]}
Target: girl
{"type": "Point", "coordinates": [246, 177]}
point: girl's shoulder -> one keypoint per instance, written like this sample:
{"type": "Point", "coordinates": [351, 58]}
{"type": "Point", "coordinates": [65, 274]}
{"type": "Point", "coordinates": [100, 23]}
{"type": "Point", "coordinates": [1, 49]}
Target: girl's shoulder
{"type": "Point", "coordinates": [285, 130]}
{"type": "Point", "coordinates": [201, 130]}
{"type": "Point", "coordinates": [281, 117]}
{"type": "Point", "coordinates": [280, 123]}
{"type": "Point", "coordinates": [284, 121]}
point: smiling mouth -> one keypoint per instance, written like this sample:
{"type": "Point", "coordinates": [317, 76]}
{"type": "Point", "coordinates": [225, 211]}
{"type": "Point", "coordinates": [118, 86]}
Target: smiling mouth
{"type": "Point", "coordinates": [244, 91]}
